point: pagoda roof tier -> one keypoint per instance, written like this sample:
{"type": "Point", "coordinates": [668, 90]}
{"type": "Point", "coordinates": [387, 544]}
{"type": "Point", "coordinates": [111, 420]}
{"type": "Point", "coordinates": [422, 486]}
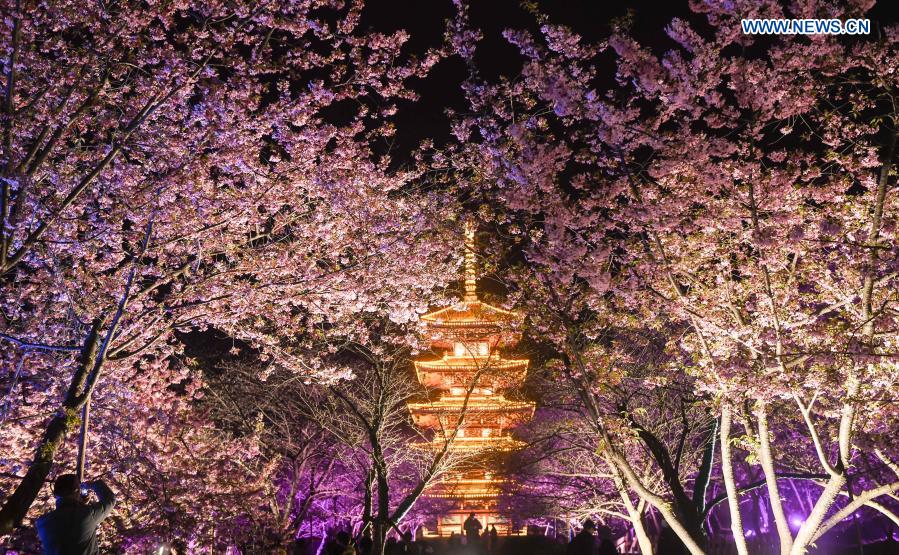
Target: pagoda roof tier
{"type": "Point", "coordinates": [478, 482]}
{"type": "Point", "coordinates": [472, 313]}
{"type": "Point", "coordinates": [446, 381]}
{"type": "Point", "coordinates": [488, 493]}
{"type": "Point", "coordinates": [476, 404]}
{"type": "Point", "coordinates": [473, 320]}
{"type": "Point", "coordinates": [451, 371]}
{"type": "Point", "coordinates": [476, 423]}
{"type": "Point", "coordinates": [474, 473]}
{"type": "Point", "coordinates": [475, 444]}
{"type": "Point", "coordinates": [489, 364]}
{"type": "Point", "coordinates": [465, 489]}
{"type": "Point", "coordinates": [444, 412]}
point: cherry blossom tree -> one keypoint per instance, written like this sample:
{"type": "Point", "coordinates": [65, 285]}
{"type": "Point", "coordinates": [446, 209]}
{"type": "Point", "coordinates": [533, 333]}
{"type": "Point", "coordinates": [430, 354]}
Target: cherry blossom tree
{"type": "Point", "coordinates": [297, 467]}
{"type": "Point", "coordinates": [742, 193]}
{"type": "Point", "coordinates": [178, 169]}
{"type": "Point", "coordinates": [562, 476]}
{"type": "Point", "coordinates": [769, 243]}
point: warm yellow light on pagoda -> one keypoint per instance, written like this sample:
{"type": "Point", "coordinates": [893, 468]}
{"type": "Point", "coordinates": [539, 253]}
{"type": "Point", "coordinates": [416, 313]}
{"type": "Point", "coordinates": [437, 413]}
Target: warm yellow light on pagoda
{"type": "Point", "coordinates": [471, 409]}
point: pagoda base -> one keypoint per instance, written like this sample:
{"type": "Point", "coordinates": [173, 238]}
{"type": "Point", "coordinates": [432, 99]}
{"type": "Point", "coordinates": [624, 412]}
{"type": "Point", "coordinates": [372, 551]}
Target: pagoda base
{"type": "Point", "coordinates": [453, 522]}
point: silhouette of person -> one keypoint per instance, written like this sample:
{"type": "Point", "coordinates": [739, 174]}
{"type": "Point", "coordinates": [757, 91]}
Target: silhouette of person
{"type": "Point", "coordinates": [365, 544]}
{"type": "Point", "coordinates": [492, 539]}
{"type": "Point", "coordinates": [472, 527]}
{"type": "Point", "coordinates": [71, 528]}
{"type": "Point", "coordinates": [454, 540]}
{"type": "Point", "coordinates": [585, 542]}
{"type": "Point", "coordinates": [341, 545]}
{"type": "Point", "coordinates": [669, 542]}
{"type": "Point", "coordinates": [406, 544]}
{"type": "Point", "coordinates": [606, 543]}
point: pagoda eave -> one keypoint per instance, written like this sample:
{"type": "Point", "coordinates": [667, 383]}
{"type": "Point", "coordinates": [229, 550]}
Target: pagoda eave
{"type": "Point", "coordinates": [442, 381]}
{"type": "Point", "coordinates": [472, 313]}
{"type": "Point", "coordinates": [475, 444]}
{"type": "Point", "coordinates": [444, 420]}
{"type": "Point", "coordinates": [487, 365]}
{"type": "Point", "coordinates": [445, 338]}
{"type": "Point", "coordinates": [492, 373]}
{"type": "Point", "coordinates": [473, 406]}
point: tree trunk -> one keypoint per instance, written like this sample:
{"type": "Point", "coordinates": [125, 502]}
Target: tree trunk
{"type": "Point", "coordinates": [733, 496]}
{"type": "Point", "coordinates": [378, 536]}
{"type": "Point", "coordinates": [66, 419]}
{"type": "Point", "coordinates": [662, 505]}
{"type": "Point", "coordinates": [367, 520]}
{"type": "Point", "coordinates": [810, 526]}
{"type": "Point", "coordinates": [633, 514]}
{"type": "Point", "coordinates": [381, 522]}
{"type": "Point", "coordinates": [685, 508]}
{"type": "Point", "coordinates": [837, 480]}
{"type": "Point", "coordinates": [767, 460]}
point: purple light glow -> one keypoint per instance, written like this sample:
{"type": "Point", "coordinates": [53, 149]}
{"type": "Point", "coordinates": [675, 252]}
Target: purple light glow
{"type": "Point", "coordinates": [797, 520]}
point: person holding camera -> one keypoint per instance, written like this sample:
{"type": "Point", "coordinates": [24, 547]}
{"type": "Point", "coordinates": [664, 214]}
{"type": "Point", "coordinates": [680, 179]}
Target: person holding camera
{"type": "Point", "coordinates": [71, 528]}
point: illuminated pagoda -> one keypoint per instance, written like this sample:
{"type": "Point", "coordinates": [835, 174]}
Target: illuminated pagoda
{"type": "Point", "coordinates": [469, 381]}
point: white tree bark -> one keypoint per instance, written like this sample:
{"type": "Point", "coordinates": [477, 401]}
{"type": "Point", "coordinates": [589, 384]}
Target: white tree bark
{"type": "Point", "coordinates": [767, 461]}
{"type": "Point", "coordinates": [733, 496]}
{"type": "Point", "coordinates": [633, 514]}
{"type": "Point", "coordinates": [809, 529]}
{"type": "Point", "coordinates": [864, 498]}
{"type": "Point", "coordinates": [656, 501]}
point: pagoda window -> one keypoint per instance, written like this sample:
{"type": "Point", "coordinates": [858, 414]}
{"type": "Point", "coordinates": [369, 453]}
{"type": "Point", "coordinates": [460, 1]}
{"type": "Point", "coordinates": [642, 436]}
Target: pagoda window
{"type": "Point", "coordinates": [457, 391]}
{"type": "Point", "coordinates": [461, 349]}
{"type": "Point", "coordinates": [486, 432]}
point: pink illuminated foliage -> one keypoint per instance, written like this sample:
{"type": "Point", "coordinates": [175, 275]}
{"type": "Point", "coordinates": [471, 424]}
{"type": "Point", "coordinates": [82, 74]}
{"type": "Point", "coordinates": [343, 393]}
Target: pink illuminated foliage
{"type": "Point", "coordinates": [704, 242]}
{"type": "Point", "coordinates": [173, 170]}
{"type": "Point", "coordinates": [735, 196]}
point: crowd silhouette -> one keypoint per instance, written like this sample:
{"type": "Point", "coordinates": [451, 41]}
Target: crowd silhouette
{"type": "Point", "coordinates": [473, 539]}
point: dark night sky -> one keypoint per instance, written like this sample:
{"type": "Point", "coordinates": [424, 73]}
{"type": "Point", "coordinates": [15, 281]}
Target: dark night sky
{"type": "Point", "coordinates": [425, 21]}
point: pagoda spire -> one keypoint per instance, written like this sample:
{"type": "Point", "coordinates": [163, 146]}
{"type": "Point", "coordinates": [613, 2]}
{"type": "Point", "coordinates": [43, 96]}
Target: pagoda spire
{"type": "Point", "coordinates": [471, 278]}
